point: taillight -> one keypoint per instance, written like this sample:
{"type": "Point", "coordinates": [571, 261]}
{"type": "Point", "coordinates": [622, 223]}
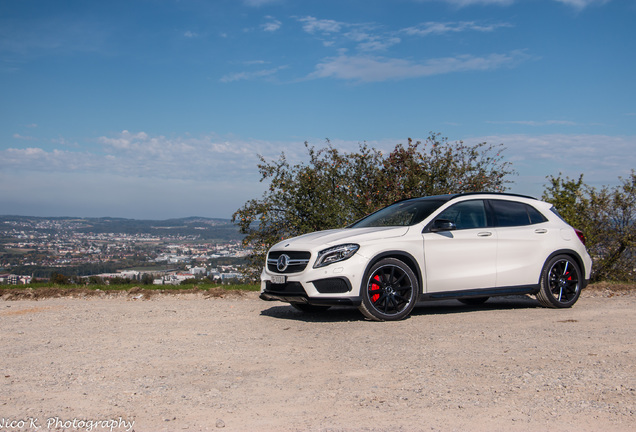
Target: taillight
{"type": "Point", "coordinates": [581, 235]}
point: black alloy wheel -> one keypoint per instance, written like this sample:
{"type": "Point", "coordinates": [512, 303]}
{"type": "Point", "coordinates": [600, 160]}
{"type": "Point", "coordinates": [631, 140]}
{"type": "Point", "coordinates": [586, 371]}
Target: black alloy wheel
{"type": "Point", "coordinates": [560, 283]}
{"type": "Point", "coordinates": [389, 291]}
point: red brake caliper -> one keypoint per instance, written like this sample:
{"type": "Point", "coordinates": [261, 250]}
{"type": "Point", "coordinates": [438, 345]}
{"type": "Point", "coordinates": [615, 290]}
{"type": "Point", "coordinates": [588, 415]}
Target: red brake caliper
{"type": "Point", "coordinates": [375, 287]}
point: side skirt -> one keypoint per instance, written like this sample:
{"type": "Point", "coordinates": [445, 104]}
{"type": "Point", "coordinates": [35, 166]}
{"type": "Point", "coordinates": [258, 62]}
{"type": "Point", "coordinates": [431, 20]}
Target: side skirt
{"type": "Point", "coordinates": [482, 292]}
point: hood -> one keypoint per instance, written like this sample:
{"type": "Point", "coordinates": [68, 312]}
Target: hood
{"type": "Point", "coordinates": [340, 236]}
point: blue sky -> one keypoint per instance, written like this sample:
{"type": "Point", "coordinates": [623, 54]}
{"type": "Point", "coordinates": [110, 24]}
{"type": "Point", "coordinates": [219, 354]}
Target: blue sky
{"type": "Point", "coordinates": [158, 108]}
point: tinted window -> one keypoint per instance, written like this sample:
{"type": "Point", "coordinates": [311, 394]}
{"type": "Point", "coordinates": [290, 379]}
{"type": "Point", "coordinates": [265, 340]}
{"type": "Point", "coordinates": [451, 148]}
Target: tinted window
{"type": "Point", "coordinates": [510, 213]}
{"type": "Point", "coordinates": [535, 216]}
{"type": "Point", "coordinates": [466, 215]}
{"type": "Point", "coordinates": [400, 214]}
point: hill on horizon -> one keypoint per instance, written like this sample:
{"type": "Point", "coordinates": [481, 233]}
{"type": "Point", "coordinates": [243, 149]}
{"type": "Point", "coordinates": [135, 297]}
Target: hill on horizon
{"type": "Point", "coordinates": [202, 227]}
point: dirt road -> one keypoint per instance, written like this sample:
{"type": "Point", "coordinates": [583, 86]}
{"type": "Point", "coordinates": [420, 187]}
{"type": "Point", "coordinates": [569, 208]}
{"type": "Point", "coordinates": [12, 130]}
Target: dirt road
{"type": "Point", "coordinates": [182, 362]}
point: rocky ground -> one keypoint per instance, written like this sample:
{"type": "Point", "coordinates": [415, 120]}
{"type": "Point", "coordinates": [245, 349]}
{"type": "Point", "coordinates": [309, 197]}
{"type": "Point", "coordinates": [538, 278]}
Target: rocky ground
{"type": "Point", "coordinates": [198, 362]}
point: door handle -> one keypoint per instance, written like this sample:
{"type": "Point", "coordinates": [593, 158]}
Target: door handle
{"type": "Point", "coordinates": [540, 231]}
{"type": "Point", "coordinates": [484, 234]}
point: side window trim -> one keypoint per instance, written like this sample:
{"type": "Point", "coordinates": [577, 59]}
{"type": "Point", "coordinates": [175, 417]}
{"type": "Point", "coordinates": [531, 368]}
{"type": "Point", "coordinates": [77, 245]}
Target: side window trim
{"type": "Point", "coordinates": [490, 214]}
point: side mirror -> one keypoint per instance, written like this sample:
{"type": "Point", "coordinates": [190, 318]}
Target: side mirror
{"type": "Point", "coordinates": [443, 225]}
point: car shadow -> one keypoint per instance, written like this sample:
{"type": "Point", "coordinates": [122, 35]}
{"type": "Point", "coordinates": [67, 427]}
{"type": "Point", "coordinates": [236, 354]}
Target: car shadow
{"type": "Point", "coordinates": [334, 314]}
{"type": "Point", "coordinates": [442, 307]}
{"type": "Point", "coordinates": [436, 307]}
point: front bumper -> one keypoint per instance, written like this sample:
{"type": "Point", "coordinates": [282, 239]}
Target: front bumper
{"type": "Point", "coordinates": [336, 284]}
{"type": "Point", "coordinates": [294, 292]}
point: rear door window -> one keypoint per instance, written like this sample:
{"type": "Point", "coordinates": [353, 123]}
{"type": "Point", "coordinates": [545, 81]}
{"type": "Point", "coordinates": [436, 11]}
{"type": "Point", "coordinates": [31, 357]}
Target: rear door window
{"type": "Point", "coordinates": [511, 213]}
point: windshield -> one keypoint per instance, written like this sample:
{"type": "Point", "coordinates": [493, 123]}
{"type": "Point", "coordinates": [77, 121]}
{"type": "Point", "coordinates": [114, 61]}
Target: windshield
{"type": "Point", "coordinates": [403, 213]}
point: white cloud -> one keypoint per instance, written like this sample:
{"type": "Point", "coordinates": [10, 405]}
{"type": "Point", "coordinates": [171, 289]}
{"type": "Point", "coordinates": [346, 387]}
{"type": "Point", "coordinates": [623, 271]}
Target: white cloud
{"type": "Point", "coordinates": [272, 25]}
{"type": "Point", "coordinates": [111, 194]}
{"type": "Point", "coordinates": [577, 4]}
{"type": "Point", "coordinates": [251, 75]}
{"type": "Point", "coordinates": [139, 154]}
{"type": "Point", "coordinates": [368, 37]}
{"type": "Point", "coordinates": [582, 4]}
{"type": "Point", "coordinates": [374, 69]}
{"type": "Point", "coordinates": [313, 25]}
{"type": "Point", "coordinates": [22, 137]}
{"type": "Point", "coordinates": [601, 158]}
{"type": "Point", "coordinates": [259, 3]}
{"type": "Point", "coordinates": [438, 28]}
{"type": "Point", "coordinates": [375, 43]}
{"type": "Point", "coordinates": [536, 123]}
{"type": "Point", "coordinates": [136, 174]}
{"type": "Point", "coordinates": [463, 3]}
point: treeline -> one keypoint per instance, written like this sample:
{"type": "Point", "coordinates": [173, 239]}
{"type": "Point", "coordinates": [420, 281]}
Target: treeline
{"type": "Point", "coordinates": [82, 270]}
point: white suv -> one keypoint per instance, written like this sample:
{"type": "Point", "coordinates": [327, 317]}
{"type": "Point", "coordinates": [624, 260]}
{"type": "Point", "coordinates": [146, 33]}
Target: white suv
{"type": "Point", "coordinates": [468, 247]}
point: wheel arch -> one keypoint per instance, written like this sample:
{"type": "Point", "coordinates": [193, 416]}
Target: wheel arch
{"type": "Point", "coordinates": [572, 254]}
{"type": "Point", "coordinates": [405, 257]}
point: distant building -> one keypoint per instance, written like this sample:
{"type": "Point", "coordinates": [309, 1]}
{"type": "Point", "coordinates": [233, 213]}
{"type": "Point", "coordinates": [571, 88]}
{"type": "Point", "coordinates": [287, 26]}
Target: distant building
{"type": "Point", "coordinates": [197, 270]}
{"type": "Point", "coordinates": [15, 279]}
{"type": "Point", "coordinates": [172, 279]}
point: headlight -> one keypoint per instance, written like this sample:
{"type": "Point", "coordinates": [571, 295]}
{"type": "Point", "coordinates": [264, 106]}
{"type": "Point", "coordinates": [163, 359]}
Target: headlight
{"type": "Point", "coordinates": [335, 254]}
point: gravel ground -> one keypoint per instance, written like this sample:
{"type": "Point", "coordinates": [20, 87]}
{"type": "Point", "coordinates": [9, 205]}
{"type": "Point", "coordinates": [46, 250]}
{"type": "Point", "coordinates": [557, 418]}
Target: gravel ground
{"type": "Point", "coordinates": [185, 362]}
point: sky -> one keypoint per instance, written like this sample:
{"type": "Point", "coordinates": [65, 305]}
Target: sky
{"type": "Point", "coordinates": [157, 109]}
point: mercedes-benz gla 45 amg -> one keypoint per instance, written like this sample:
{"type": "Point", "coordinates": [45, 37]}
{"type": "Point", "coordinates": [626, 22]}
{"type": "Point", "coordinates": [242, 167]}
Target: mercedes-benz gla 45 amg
{"type": "Point", "coordinates": [467, 246]}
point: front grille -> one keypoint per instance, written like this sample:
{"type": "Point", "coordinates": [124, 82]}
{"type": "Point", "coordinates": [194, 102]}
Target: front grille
{"type": "Point", "coordinates": [332, 285]}
{"type": "Point", "coordinates": [296, 262]}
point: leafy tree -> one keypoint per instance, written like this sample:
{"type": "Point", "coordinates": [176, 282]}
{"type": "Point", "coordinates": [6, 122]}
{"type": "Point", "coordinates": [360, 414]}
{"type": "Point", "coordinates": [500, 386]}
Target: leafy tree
{"type": "Point", "coordinates": [147, 279]}
{"type": "Point", "coordinates": [570, 197]}
{"type": "Point", "coordinates": [95, 280]}
{"type": "Point", "coordinates": [333, 189]}
{"type": "Point", "coordinates": [608, 219]}
{"type": "Point", "coordinates": [59, 279]}
{"type": "Point", "coordinates": [118, 280]}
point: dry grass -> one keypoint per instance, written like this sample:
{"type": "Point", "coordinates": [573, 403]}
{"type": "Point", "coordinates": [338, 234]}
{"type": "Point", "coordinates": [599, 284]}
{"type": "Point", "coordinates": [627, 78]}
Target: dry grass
{"type": "Point", "coordinates": [135, 292]}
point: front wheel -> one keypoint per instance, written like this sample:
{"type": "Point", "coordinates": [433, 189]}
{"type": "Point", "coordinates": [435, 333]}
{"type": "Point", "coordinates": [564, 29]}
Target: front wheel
{"type": "Point", "coordinates": [389, 291]}
{"type": "Point", "coordinates": [560, 283]}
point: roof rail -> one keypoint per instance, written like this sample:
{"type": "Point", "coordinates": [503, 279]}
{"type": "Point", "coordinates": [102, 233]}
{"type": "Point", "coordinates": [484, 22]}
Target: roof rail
{"type": "Point", "coordinates": [495, 193]}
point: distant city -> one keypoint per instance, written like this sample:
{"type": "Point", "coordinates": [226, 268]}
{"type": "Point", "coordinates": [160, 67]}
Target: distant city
{"type": "Point", "coordinates": [81, 249]}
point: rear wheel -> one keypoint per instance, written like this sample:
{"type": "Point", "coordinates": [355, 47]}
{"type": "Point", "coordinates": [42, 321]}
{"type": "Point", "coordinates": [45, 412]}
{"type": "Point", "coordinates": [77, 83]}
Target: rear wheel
{"type": "Point", "coordinates": [389, 291]}
{"type": "Point", "coordinates": [560, 283]}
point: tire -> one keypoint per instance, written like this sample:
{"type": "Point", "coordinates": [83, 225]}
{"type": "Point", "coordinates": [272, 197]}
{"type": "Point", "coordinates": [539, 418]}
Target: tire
{"type": "Point", "coordinates": [389, 291]}
{"type": "Point", "coordinates": [474, 301]}
{"type": "Point", "coordinates": [308, 308]}
{"type": "Point", "coordinates": [560, 284]}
